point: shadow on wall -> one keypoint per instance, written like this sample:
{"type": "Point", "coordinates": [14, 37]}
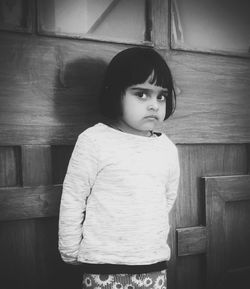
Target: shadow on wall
{"type": "Point", "coordinates": [77, 87]}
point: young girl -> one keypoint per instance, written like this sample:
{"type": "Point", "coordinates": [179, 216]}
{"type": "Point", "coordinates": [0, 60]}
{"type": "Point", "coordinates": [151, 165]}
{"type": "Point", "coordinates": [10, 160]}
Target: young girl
{"type": "Point", "coordinates": [122, 180]}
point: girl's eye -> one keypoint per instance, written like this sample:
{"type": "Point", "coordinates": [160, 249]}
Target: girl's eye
{"type": "Point", "coordinates": [142, 95]}
{"type": "Point", "coordinates": [162, 97]}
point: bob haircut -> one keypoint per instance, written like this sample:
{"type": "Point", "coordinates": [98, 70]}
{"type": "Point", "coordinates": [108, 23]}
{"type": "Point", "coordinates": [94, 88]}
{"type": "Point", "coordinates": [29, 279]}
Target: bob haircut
{"type": "Point", "coordinates": [130, 67]}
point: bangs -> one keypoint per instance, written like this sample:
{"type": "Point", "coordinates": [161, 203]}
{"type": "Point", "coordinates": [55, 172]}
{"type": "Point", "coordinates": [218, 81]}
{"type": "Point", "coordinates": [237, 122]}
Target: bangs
{"type": "Point", "coordinates": [158, 80]}
{"type": "Point", "coordinates": [154, 71]}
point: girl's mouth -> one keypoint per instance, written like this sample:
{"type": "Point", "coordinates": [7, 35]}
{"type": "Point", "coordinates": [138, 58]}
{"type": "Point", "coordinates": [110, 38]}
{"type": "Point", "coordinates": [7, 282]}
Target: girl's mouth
{"type": "Point", "coordinates": [151, 117]}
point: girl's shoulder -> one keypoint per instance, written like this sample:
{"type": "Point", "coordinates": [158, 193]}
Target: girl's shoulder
{"type": "Point", "coordinates": [96, 133]}
{"type": "Point", "coordinates": [91, 133]}
{"type": "Point", "coordinates": [169, 143]}
{"type": "Point", "coordinates": [92, 130]}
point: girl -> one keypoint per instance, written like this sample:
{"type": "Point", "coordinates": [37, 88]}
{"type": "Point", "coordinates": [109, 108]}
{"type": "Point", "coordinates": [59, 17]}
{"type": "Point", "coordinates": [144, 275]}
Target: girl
{"type": "Point", "coordinates": [122, 180]}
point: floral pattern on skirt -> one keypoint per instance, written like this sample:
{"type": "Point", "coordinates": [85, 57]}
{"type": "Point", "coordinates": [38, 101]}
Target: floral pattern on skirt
{"type": "Point", "coordinates": [154, 280]}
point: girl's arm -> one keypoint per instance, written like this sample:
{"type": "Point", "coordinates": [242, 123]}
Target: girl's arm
{"type": "Point", "coordinates": [173, 180]}
{"type": "Point", "coordinates": [79, 179]}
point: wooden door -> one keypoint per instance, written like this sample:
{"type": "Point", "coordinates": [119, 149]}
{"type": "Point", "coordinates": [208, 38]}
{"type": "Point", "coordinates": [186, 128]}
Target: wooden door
{"type": "Point", "coordinates": [228, 231]}
{"type": "Point", "coordinates": [225, 236]}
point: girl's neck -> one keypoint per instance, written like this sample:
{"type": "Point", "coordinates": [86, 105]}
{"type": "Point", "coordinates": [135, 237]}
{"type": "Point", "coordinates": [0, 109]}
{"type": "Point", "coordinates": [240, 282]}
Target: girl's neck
{"type": "Point", "coordinates": [121, 126]}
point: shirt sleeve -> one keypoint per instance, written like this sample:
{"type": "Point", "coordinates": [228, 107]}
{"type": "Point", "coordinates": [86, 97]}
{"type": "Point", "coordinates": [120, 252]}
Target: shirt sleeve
{"type": "Point", "coordinates": [173, 183]}
{"type": "Point", "coordinates": [79, 179]}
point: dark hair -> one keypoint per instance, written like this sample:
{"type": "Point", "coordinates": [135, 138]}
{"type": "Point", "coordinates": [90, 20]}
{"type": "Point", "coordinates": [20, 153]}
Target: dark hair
{"type": "Point", "coordinates": [133, 66]}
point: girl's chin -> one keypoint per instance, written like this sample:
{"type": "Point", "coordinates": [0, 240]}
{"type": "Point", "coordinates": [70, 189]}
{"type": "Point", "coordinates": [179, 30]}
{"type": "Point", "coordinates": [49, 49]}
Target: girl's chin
{"type": "Point", "coordinates": [148, 127]}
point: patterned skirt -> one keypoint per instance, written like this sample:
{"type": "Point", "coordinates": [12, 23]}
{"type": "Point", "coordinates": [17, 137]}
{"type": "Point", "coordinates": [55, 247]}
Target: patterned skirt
{"type": "Point", "coordinates": [154, 280]}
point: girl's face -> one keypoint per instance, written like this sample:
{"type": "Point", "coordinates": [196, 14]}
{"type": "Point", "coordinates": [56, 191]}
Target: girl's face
{"type": "Point", "coordinates": [143, 106]}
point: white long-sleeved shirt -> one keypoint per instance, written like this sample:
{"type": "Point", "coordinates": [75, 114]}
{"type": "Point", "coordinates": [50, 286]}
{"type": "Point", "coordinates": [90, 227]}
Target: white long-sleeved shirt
{"type": "Point", "coordinates": [117, 194]}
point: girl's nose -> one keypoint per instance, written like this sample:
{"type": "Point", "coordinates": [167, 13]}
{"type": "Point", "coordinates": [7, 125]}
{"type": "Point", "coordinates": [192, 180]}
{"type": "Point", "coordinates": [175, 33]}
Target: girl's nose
{"type": "Point", "coordinates": [153, 105]}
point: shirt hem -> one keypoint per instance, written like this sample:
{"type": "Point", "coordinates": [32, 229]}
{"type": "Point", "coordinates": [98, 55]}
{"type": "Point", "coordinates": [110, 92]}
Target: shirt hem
{"type": "Point", "coordinates": [122, 269]}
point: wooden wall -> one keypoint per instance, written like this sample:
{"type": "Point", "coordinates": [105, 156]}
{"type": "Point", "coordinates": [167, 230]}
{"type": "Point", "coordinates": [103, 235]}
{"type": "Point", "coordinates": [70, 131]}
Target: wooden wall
{"type": "Point", "coordinates": [58, 81]}
{"type": "Point", "coordinates": [49, 88]}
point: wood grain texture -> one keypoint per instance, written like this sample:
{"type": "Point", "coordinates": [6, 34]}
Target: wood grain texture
{"type": "Point", "coordinates": [221, 222]}
{"type": "Point", "coordinates": [212, 102]}
{"type": "Point", "coordinates": [18, 257]}
{"type": "Point", "coordinates": [190, 263]}
{"type": "Point", "coordinates": [49, 271]}
{"type": "Point", "coordinates": [17, 15]}
{"type": "Point", "coordinates": [230, 188]}
{"type": "Point", "coordinates": [36, 165]}
{"type": "Point", "coordinates": [29, 202]}
{"type": "Point", "coordinates": [55, 85]}
{"type": "Point", "coordinates": [23, 261]}
{"type": "Point", "coordinates": [200, 160]}
{"type": "Point", "coordinates": [10, 166]}
{"type": "Point", "coordinates": [17, 246]}
{"type": "Point", "coordinates": [191, 241]}
{"type": "Point", "coordinates": [196, 161]}
{"type": "Point", "coordinates": [191, 272]}
{"type": "Point", "coordinates": [238, 233]}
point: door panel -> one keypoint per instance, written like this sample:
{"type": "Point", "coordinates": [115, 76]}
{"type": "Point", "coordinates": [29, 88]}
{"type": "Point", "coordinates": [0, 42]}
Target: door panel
{"type": "Point", "coordinates": [227, 216]}
{"type": "Point", "coordinates": [189, 216]}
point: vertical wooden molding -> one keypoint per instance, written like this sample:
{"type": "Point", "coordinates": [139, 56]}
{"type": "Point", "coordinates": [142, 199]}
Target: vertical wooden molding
{"type": "Point", "coordinates": [44, 8]}
{"type": "Point", "coordinates": [29, 8]}
{"type": "Point", "coordinates": [160, 23]}
{"type": "Point", "coordinates": [36, 170]}
{"type": "Point", "coordinates": [9, 177]}
{"type": "Point", "coordinates": [10, 166]}
{"type": "Point", "coordinates": [20, 19]}
{"type": "Point", "coordinates": [248, 158]}
{"type": "Point", "coordinates": [176, 32]}
{"type": "Point", "coordinates": [215, 210]}
{"type": "Point", "coordinates": [36, 164]}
